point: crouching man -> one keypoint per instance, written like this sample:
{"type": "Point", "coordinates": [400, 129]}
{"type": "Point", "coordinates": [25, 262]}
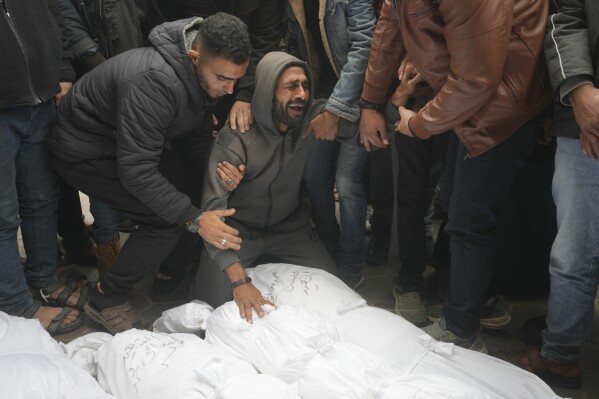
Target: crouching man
{"type": "Point", "coordinates": [269, 213]}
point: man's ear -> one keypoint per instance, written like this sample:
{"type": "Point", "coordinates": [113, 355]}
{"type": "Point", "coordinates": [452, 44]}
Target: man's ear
{"type": "Point", "coordinates": [194, 55]}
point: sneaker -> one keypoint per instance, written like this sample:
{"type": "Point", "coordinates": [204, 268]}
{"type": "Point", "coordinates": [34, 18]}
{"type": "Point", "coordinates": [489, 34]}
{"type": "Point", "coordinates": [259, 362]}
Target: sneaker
{"type": "Point", "coordinates": [353, 282]}
{"type": "Point", "coordinates": [439, 331]}
{"type": "Point", "coordinates": [493, 316]}
{"type": "Point", "coordinates": [409, 305]}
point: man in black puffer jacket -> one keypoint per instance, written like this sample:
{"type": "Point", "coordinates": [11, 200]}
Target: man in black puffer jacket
{"type": "Point", "coordinates": [113, 141]}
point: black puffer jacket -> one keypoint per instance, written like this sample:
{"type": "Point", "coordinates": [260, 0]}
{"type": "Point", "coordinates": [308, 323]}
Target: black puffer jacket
{"type": "Point", "coordinates": [129, 107]}
{"type": "Point", "coordinates": [32, 60]}
{"type": "Point", "coordinates": [264, 19]}
{"type": "Point", "coordinates": [572, 53]}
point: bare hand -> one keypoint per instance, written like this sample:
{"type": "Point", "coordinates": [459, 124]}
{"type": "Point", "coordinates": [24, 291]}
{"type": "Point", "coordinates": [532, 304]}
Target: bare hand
{"type": "Point", "coordinates": [241, 116]}
{"type": "Point", "coordinates": [407, 85]}
{"type": "Point", "coordinates": [64, 89]}
{"type": "Point", "coordinates": [248, 297]}
{"type": "Point", "coordinates": [230, 175]}
{"type": "Point", "coordinates": [373, 131]}
{"type": "Point", "coordinates": [585, 102]}
{"type": "Point", "coordinates": [214, 230]}
{"type": "Point", "coordinates": [404, 118]}
{"type": "Point", "coordinates": [590, 144]}
{"type": "Point", "coordinates": [324, 126]}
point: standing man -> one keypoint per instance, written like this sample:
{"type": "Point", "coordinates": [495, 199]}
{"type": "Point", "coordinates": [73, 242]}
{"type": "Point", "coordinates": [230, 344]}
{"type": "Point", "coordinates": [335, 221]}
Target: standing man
{"type": "Point", "coordinates": [270, 215]}
{"type": "Point", "coordinates": [572, 51]}
{"type": "Point", "coordinates": [334, 38]}
{"type": "Point", "coordinates": [113, 141]}
{"type": "Point", "coordinates": [36, 74]}
{"type": "Point", "coordinates": [484, 61]}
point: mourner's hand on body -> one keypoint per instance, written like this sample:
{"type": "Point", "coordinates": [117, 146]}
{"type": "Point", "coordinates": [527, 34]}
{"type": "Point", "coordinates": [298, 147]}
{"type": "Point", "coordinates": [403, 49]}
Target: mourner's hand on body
{"type": "Point", "coordinates": [585, 102]}
{"type": "Point", "coordinates": [324, 126]}
{"type": "Point", "coordinates": [230, 175]}
{"type": "Point", "coordinates": [214, 230]}
{"type": "Point", "coordinates": [64, 89]}
{"type": "Point", "coordinates": [373, 131]}
{"type": "Point", "coordinates": [404, 119]}
{"type": "Point", "coordinates": [247, 296]}
{"type": "Point", "coordinates": [240, 116]}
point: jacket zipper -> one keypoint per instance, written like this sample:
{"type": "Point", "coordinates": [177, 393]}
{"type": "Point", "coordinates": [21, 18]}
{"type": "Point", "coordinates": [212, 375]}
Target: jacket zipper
{"type": "Point", "coordinates": [11, 24]}
{"type": "Point", "coordinates": [281, 158]}
{"type": "Point", "coordinates": [107, 42]}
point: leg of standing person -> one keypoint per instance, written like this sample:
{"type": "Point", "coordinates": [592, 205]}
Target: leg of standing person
{"type": "Point", "coordinates": [349, 178]}
{"type": "Point", "coordinates": [29, 198]}
{"type": "Point", "coordinates": [480, 184]}
{"type": "Point", "coordinates": [319, 179]}
{"type": "Point", "coordinates": [381, 200]}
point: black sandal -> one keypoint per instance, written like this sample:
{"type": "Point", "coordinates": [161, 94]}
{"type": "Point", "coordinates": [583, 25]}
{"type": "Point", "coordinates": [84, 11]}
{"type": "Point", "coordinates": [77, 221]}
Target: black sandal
{"type": "Point", "coordinates": [118, 318]}
{"type": "Point", "coordinates": [43, 294]}
{"type": "Point", "coordinates": [55, 327]}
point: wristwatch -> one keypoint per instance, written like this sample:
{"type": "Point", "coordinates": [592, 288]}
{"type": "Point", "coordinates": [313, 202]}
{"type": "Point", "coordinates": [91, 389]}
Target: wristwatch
{"type": "Point", "coordinates": [194, 225]}
{"type": "Point", "coordinates": [363, 104]}
{"type": "Point", "coordinates": [245, 280]}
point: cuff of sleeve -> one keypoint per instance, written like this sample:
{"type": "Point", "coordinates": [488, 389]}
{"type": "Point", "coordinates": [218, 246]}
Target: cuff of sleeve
{"type": "Point", "coordinates": [570, 84]}
{"type": "Point", "coordinates": [417, 129]}
{"type": "Point", "coordinates": [225, 258]}
{"type": "Point", "coordinates": [244, 95]}
{"type": "Point", "coordinates": [188, 215]}
{"type": "Point", "coordinates": [67, 74]}
{"type": "Point", "coordinates": [343, 110]}
{"type": "Point", "coordinates": [373, 94]}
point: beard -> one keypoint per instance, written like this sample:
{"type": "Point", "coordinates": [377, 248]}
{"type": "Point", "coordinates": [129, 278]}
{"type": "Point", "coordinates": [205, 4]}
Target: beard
{"type": "Point", "coordinates": [281, 113]}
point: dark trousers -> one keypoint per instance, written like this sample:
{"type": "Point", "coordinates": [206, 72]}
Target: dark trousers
{"type": "Point", "coordinates": [155, 240]}
{"type": "Point", "coordinates": [70, 220]}
{"type": "Point", "coordinates": [479, 187]}
{"type": "Point", "coordinates": [415, 189]}
{"type": "Point", "coordinates": [381, 196]}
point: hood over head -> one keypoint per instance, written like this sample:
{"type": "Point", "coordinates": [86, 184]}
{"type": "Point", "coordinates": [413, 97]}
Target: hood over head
{"type": "Point", "coordinates": [268, 71]}
{"type": "Point", "coordinates": [173, 40]}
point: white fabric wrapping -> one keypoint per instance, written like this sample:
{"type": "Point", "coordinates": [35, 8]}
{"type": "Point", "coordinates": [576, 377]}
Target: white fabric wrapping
{"type": "Point", "coordinates": [148, 365]}
{"type": "Point", "coordinates": [286, 339]}
{"type": "Point", "coordinates": [419, 386]}
{"type": "Point", "coordinates": [343, 371]}
{"type": "Point", "coordinates": [84, 350]}
{"type": "Point", "coordinates": [259, 386]}
{"type": "Point", "coordinates": [188, 318]}
{"type": "Point", "coordinates": [33, 365]}
{"type": "Point", "coordinates": [288, 284]}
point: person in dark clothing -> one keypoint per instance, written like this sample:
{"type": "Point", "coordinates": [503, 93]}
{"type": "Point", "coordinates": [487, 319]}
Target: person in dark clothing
{"type": "Point", "coordinates": [113, 141]}
{"type": "Point", "coordinates": [269, 212]}
{"type": "Point", "coordinates": [36, 74]}
{"type": "Point", "coordinates": [266, 25]}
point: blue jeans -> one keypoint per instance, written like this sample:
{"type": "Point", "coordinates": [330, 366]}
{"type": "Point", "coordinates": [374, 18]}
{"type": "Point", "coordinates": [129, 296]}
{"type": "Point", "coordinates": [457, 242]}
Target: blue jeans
{"type": "Point", "coordinates": [29, 198]}
{"type": "Point", "coordinates": [479, 187]}
{"type": "Point", "coordinates": [574, 264]}
{"type": "Point", "coordinates": [320, 179]}
{"type": "Point", "coordinates": [106, 221]}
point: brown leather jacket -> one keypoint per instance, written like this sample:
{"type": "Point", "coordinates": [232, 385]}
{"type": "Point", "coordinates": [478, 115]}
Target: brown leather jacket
{"type": "Point", "coordinates": [483, 58]}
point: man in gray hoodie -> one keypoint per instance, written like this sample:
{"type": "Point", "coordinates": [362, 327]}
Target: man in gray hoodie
{"type": "Point", "coordinates": [269, 213]}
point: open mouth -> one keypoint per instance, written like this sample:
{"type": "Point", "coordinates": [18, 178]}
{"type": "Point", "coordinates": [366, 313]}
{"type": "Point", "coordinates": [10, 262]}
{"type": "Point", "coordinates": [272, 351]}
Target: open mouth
{"type": "Point", "coordinates": [297, 108]}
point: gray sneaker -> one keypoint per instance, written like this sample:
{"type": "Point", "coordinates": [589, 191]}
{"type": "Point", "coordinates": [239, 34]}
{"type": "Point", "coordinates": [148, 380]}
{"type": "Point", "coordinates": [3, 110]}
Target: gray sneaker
{"type": "Point", "coordinates": [439, 331]}
{"type": "Point", "coordinates": [494, 318]}
{"type": "Point", "coordinates": [409, 305]}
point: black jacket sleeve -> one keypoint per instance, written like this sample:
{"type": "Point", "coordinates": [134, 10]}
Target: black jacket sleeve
{"type": "Point", "coordinates": [146, 105]}
{"type": "Point", "coordinates": [266, 29]}
{"type": "Point", "coordinates": [567, 48]}
{"type": "Point", "coordinates": [67, 74]}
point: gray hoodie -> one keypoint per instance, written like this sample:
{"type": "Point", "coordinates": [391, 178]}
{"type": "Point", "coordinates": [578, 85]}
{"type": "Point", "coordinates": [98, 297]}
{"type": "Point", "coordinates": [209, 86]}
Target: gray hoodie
{"type": "Point", "coordinates": [269, 193]}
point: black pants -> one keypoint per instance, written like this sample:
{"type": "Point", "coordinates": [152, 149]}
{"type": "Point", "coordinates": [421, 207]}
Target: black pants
{"type": "Point", "coordinates": [415, 190]}
{"type": "Point", "coordinates": [155, 240]}
{"type": "Point", "coordinates": [70, 220]}
{"type": "Point", "coordinates": [381, 196]}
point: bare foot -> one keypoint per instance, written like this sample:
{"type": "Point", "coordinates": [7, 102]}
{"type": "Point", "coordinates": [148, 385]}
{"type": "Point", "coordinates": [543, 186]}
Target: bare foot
{"type": "Point", "coordinates": [71, 300]}
{"type": "Point", "coordinates": [45, 314]}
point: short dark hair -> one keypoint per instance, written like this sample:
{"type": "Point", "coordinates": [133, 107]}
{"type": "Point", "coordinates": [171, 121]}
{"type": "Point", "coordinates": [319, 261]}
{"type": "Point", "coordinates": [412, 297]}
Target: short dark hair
{"type": "Point", "coordinates": [225, 36]}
